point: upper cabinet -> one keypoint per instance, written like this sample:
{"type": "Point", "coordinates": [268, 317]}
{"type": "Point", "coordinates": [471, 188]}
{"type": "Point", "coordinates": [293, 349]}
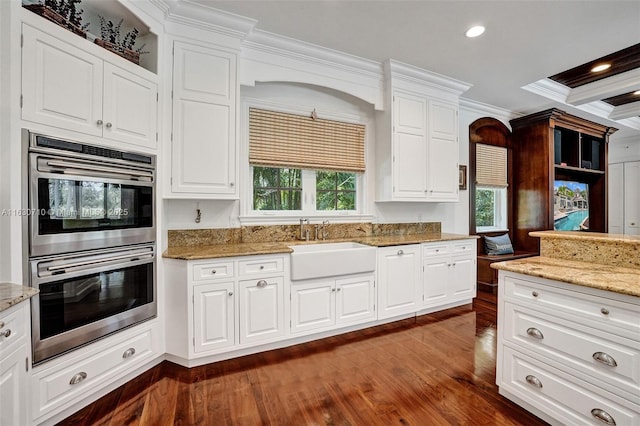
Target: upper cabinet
{"type": "Point", "coordinates": [203, 153]}
{"type": "Point", "coordinates": [69, 87]}
{"type": "Point", "coordinates": [417, 136]}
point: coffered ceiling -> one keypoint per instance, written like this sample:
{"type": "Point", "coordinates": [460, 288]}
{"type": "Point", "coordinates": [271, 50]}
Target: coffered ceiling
{"type": "Point", "coordinates": [514, 65]}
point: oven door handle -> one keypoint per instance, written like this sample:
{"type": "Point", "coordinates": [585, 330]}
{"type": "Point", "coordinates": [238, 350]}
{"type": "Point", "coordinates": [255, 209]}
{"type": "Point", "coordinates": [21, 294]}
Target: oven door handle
{"type": "Point", "coordinates": [132, 256]}
{"type": "Point", "coordinates": [90, 167]}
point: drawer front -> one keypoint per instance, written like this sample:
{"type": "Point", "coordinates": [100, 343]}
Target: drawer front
{"type": "Point", "coordinates": [435, 249]}
{"type": "Point", "coordinates": [607, 358]}
{"type": "Point", "coordinates": [608, 313]}
{"type": "Point", "coordinates": [567, 399]}
{"type": "Point", "coordinates": [87, 374]}
{"type": "Point", "coordinates": [465, 247]}
{"type": "Point", "coordinates": [210, 271]}
{"type": "Point", "coordinates": [260, 266]}
{"type": "Point", "coordinates": [13, 328]}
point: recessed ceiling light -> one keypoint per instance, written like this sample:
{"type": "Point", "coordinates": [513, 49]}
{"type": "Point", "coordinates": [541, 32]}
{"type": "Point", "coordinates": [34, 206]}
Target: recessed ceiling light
{"type": "Point", "coordinates": [601, 67]}
{"type": "Point", "coordinates": [637, 93]}
{"type": "Point", "coordinates": [475, 31]}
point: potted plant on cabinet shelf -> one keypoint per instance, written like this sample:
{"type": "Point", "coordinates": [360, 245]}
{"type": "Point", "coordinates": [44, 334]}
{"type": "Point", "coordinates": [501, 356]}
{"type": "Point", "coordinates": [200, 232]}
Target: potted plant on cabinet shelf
{"type": "Point", "coordinates": [65, 13]}
{"type": "Point", "coordinates": [111, 40]}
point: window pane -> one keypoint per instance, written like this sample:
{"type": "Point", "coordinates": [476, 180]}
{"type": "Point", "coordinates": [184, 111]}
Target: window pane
{"type": "Point", "coordinates": [290, 199]}
{"type": "Point", "coordinates": [277, 189]}
{"type": "Point", "coordinates": [290, 178]}
{"type": "Point", "coordinates": [265, 177]}
{"type": "Point", "coordinates": [325, 180]}
{"type": "Point", "coordinates": [326, 200]}
{"type": "Point", "coordinates": [265, 199]}
{"type": "Point", "coordinates": [346, 181]}
{"type": "Point", "coordinates": [346, 200]}
{"type": "Point", "coordinates": [485, 207]}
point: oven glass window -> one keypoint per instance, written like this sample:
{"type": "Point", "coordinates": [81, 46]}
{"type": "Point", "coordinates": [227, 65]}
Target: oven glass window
{"type": "Point", "coordinates": [76, 206]}
{"type": "Point", "coordinates": [74, 302]}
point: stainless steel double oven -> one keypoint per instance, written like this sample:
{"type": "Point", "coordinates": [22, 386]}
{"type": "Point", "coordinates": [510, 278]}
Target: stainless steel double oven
{"type": "Point", "coordinates": [90, 232]}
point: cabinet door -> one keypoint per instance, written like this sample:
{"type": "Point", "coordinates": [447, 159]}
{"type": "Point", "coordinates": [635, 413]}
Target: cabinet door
{"type": "Point", "coordinates": [409, 147]}
{"type": "Point", "coordinates": [312, 305]}
{"type": "Point", "coordinates": [442, 161]}
{"type": "Point", "coordinates": [13, 380]}
{"type": "Point", "coordinates": [61, 84]}
{"type": "Point", "coordinates": [355, 299]}
{"type": "Point", "coordinates": [632, 198]}
{"type": "Point", "coordinates": [398, 280]}
{"type": "Point", "coordinates": [213, 312]}
{"type": "Point", "coordinates": [616, 208]}
{"type": "Point", "coordinates": [204, 121]}
{"type": "Point", "coordinates": [130, 107]}
{"type": "Point", "coordinates": [462, 281]}
{"type": "Point", "coordinates": [261, 309]}
{"type": "Point", "coordinates": [436, 280]}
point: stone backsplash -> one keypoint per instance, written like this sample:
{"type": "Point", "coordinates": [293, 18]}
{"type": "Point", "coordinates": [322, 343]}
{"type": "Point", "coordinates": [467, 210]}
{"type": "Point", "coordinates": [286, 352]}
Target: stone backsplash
{"type": "Point", "coordinates": [280, 233]}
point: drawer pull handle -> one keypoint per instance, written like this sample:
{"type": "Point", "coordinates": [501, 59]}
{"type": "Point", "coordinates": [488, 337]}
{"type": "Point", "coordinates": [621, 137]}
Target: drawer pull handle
{"type": "Point", "coordinates": [605, 359]}
{"type": "Point", "coordinates": [78, 378]}
{"type": "Point", "coordinates": [534, 332]}
{"type": "Point", "coordinates": [604, 311]}
{"type": "Point", "coordinates": [603, 416]}
{"type": "Point", "coordinates": [533, 380]}
{"type": "Point", "coordinates": [6, 333]}
{"type": "Point", "coordinates": [261, 283]}
{"type": "Point", "coordinates": [129, 353]}
{"type": "Point", "coordinates": [400, 252]}
{"type": "Point", "coordinates": [534, 293]}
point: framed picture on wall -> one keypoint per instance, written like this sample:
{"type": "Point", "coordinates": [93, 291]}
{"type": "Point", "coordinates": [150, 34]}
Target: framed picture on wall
{"type": "Point", "coordinates": [462, 177]}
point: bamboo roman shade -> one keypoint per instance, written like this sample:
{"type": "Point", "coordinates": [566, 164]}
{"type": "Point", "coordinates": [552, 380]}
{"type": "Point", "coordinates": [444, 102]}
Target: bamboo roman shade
{"type": "Point", "coordinates": [279, 139]}
{"type": "Point", "coordinates": [491, 166]}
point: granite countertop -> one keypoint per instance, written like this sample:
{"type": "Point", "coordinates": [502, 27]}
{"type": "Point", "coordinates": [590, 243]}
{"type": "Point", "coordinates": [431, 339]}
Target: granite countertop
{"type": "Point", "coordinates": [248, 249]}
{"type": "Point", "coordinates": [604, 277]}
{"type": "Point", "coordinates": [587, 236]}
{"type": "Point", "coordinates": [12, 294]}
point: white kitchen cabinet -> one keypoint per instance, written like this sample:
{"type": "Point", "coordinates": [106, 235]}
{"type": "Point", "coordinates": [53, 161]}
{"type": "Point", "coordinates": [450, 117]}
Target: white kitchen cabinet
{"type": "Point", "coordinates": [67, 87]}
{"type": "Point", "coordinates": [203, 154]}
{"type": "Point", "coordinates": [449, 272]}
{"type": "Point", "coordinates": [261, 309]}
{"type": "Point", "coordinates": [327, 303]}
{"type": "Point", "coordinates": [417, 145]}
{"type": "Point", "coordinates": [399, 280]}
{"type": "Point", "coordinates": [569, 353]}
{"type": "Point", "coordinates": [213, 316]}
{"type": "Point", "coordinates": [14, 364]}
{"type": "Point", "coordinates": [624, 198]}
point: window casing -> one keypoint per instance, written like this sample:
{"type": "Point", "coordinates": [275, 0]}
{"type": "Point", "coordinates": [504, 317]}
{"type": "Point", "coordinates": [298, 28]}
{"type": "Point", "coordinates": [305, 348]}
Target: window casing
{"type": "Point", "coordinates": [491, 209]}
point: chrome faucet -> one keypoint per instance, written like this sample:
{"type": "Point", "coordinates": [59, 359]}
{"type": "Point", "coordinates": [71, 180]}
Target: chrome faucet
{"type": "Point", "coordinates": [304, 234]}
{"type": "Point", "coordinates": [325, 233]}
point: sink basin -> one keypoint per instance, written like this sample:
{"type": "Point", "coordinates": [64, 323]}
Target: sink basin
{"type": "Point", "coordinates": [331, 259]}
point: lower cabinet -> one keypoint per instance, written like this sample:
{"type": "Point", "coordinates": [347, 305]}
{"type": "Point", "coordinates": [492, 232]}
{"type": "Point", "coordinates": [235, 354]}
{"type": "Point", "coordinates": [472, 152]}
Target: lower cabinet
{"type": "Point", "coordinates": [399, 273]}
{"type": "Point", "coordinates": [14, 364]}
{"type": "Point", "coordinates": [261, 310]}
{"type": "Point", "coordinates": [570, 354]}
{"type": "Point", "coordinates": [213, 316]}
{"type": "Point", "coordinates": [449, 272]}
{"type": "Point", "coordinates": [327, 303]}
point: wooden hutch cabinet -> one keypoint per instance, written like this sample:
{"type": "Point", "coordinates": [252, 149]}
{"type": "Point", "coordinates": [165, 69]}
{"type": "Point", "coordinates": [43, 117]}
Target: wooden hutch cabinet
{"type": "Point", "coordinates": [553, 146]}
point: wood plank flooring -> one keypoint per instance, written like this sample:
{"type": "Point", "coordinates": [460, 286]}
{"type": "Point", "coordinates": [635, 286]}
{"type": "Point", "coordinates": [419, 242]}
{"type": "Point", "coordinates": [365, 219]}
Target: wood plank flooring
{"type": "Point", "coordinates": [438, 369]}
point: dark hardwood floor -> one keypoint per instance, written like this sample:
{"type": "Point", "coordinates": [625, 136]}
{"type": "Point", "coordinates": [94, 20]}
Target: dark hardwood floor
{"type": "Point", "coordinates": [438, 369]}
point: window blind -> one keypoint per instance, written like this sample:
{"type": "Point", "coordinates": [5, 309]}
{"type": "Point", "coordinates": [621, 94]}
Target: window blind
{"type": "Point", "coordinates": [279, 139]}
{"type": "Point", "coordinates": [491, 166]}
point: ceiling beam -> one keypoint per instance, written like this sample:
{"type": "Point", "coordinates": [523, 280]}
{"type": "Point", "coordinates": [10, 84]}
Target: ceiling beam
{"type": "Point", "coordinates": [625, 111]}
{"type": "Point", "coordinates": [608, 87]}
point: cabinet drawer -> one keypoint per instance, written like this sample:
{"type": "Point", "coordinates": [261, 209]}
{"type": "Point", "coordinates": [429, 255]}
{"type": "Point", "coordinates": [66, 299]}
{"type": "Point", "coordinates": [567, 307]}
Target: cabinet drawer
{"type": "Point", "coordinates": [435, 249]}
{"type": "Point", "coordinates": [209, 271]}
{"type": "Point", "coordinates": [84, 375]}
{"type": "Point", "coordinates": [260, 266]}
{"type": "Point", "coordinates": [464, 247]}
{"type": "Point", "coordinates": [603, 356]}
{"type": "Point", "coordinates": [562, 396]}
{"type": "Point", "coordinates": [13, 325]}
{"type": "Point", "coordinates": [611, 315]}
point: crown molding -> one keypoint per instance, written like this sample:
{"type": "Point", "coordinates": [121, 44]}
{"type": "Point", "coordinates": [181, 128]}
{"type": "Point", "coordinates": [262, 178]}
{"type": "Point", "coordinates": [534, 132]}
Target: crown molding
{"type": "Point", "coordinates": [618, 84]}
{"type": "Point", "coordinates": [488, 110]}
{"type": "Point", "coordinates": [412, 75]}
{"type": "Point", "coordinates": [625, 111]}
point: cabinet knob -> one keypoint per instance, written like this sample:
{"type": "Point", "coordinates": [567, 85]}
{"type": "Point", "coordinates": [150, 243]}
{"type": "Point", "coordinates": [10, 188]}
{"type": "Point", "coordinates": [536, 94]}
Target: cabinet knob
{"type": "Point", "coordinates": [230, 293]}
{"type": "Point", "coordinates": [231, 183]}
{"type": "Point", "coordinates": [213, 272]}
{"type": "Point", "coordinates": [603, 416]}
{"type": "Point", "coordinates": [533, 380]}
{"type": "Point", "coordinates": [261, 267]}
{"type": "Point", "coordinates": [400, 252]}
{"type": "Point", "coordinates": [605, 358]}
{"type": "Point", "coordinates": [108, 125]}
{"type": "Point", "coordinates": [604, 311]}
{"type": "Point", "coordinates": [129, 353]}
{"type": "Point", "coordinates": [77, 378]}
{"type": "Point", "coordinates": [339, 288]}
{"type": "Point", "coordinates": [333, 290]}
{"type": "Point", "coordinates": [534, 332]}
{"type": "Point", "coordinates": [6, 333]}
{"type": "Point", "coordinates": [262, 283]}
{"type": "Point", "coordinates": [99, 122]}
{"type": "Point", "coordinates": [534, 293]}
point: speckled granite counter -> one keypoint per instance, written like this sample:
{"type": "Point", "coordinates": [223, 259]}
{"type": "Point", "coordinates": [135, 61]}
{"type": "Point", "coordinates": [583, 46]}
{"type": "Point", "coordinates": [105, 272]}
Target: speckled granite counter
{"type": "Point", "coordinates": [12, 294]}
{"type": "Point", "coordinates": [604, 261]}
{"type": "Point", "coordinates": [247, 249]}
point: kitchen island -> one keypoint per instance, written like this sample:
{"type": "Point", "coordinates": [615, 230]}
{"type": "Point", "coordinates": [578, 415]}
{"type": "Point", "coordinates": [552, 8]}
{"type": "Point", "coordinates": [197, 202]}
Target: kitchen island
{"type": "Point", "coordinates": [569, 329]}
